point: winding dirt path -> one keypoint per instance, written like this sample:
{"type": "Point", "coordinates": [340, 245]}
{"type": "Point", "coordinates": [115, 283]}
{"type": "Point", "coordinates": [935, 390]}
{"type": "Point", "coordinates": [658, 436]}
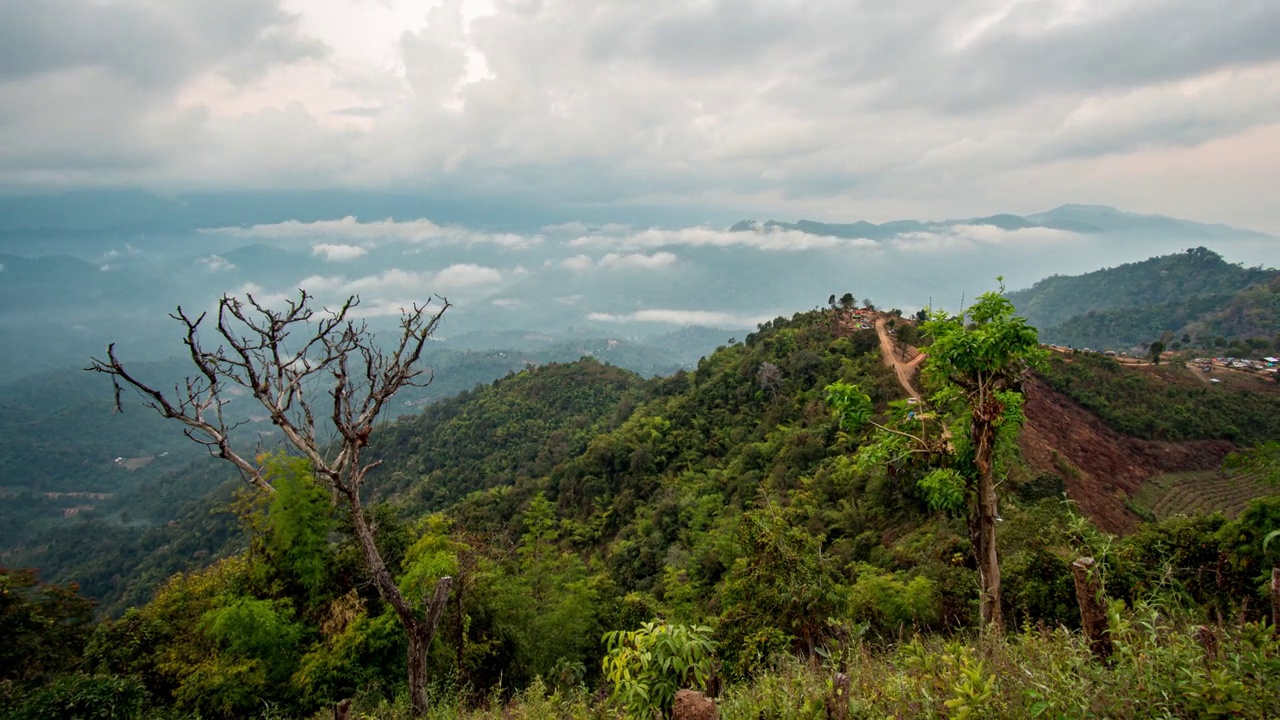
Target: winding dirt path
{"type": "Point", "coordinates": [903, 369]}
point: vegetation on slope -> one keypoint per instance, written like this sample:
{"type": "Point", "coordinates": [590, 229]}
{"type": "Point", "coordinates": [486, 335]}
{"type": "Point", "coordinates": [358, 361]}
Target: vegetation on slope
{"type": "Point", "coordinates": [521, 426]}
{"type": "Point", "coordinates": [724, 497]}
{"type": "Point", "coordinates": [1152, 406]}
{"type": "Point", "coordinates": [1159, 285]}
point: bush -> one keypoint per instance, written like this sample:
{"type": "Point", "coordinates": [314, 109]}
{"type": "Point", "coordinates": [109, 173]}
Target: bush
{"type": "Point", "coordinates": [888, 603]}
{"type": "Point", "coordinates": [648, 666]}
{"type": "Point", "coordinates": [85, 697]}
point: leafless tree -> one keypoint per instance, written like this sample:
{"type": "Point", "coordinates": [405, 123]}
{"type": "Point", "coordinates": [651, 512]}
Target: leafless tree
{"type": "Point", "coordinates": [287, 360]}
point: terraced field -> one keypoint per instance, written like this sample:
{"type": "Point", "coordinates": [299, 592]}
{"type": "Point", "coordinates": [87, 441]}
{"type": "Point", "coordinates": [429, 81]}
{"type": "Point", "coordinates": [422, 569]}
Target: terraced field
{"type": "Point", "coordinates": [1189, 493]}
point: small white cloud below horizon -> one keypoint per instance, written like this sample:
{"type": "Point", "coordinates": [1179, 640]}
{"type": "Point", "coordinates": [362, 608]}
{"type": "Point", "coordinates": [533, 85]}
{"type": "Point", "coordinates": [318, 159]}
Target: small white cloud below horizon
{"type": "Point", "coordinates": [578, 263]}
{"type": "Point", "coordinates": [353, 230]}
{"type": "Point", "coordinates": [684, 317]}
{"type": "Point", "coordinates": [466, 275]}
{"type": "Point", "coordinates": [967, 237]}
{"type": "Point", "coordinates": [337, 252]}
{"type": "Point", "coordinates": [620, 261]}
{"type": "Point", "coordinates": [406, 282]}
{"type": "Point", "coordinates": [770, 239]}
{"type": "Point", "coordinates": [638, 260]}
{"type": "Point", "coordinates": [217, 263]}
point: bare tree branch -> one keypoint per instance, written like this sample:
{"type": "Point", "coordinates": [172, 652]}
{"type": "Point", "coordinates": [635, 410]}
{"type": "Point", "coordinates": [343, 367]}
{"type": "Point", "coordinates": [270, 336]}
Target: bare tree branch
{"type": "Point", "coordinates": [281, 358]}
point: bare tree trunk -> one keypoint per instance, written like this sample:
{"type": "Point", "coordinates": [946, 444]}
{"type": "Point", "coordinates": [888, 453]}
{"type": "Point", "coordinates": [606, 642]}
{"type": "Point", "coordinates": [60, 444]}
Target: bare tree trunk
{"type": "Point", "coordinates": [1093, 608]}
{"type": "Point", "coordinates": [992, 613]}
{"type": "Point", "coordinates": [421, 630]}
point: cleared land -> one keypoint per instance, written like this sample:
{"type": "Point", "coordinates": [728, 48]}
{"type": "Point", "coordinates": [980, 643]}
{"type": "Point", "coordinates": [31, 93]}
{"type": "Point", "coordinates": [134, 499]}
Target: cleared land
{"type": "Point", "coordinates": [1189, 493]}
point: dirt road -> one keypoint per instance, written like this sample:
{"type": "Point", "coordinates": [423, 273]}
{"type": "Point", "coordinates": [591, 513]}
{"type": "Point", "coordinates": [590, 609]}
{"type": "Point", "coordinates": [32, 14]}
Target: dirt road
{"type": "Point", "coordinates": [890, 355]}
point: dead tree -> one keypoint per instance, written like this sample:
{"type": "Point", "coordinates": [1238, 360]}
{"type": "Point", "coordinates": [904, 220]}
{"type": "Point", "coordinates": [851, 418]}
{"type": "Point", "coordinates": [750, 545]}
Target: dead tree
{"type": "Point", "coordinates": [288, 361]}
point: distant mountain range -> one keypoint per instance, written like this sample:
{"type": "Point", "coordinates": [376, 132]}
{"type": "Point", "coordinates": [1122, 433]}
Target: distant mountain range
{"type": "Point", "coordinates": [1084, 219]}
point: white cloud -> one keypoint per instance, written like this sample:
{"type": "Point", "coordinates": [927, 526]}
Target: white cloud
{"type": "Point", "coordinates": [637, 260]}
{"type": "Point", "coordinates": [773, 239]}
{"type": "Point", "coordinates": [505, 302]}
{"type": "Point", "coordinates": [684, 317]}
{"type": "Point", "coordinates": [262, 296]}
{"type": "Point", "coordinates": [405, 283]}
{"type": "Point", "coordinates": [337, 252]}
{"type": "Point", "coordinates": [353, 230]}
{"type": "Point", "coordinates": [466, 275]}
{"type": "Point", "coordinates": [968, 237]}
{"type": "Point", "coordinates": [619, 261]}
{"type": "Point", "coordinates": [578, 263]}
{"type": "Point", "coordinates": [217, 263]}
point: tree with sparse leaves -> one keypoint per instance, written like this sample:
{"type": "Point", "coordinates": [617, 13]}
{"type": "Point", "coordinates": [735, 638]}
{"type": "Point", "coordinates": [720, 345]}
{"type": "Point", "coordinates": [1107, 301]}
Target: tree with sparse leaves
{"type": "Point", "coordinates": [306, 366]}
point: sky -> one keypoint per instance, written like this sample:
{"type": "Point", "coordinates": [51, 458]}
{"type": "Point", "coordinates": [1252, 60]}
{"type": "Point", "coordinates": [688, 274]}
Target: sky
{"type": "Point", "coordinates": [830, 109]}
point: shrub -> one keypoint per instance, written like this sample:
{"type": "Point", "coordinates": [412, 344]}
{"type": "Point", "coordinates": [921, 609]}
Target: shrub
{"type": "Point", "coordinates": [648, 666]}
{"type": "Point", "coordinates": [86, 697]}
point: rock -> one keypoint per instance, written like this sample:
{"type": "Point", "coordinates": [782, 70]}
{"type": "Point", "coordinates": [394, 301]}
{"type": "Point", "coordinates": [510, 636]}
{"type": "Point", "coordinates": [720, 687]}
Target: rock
{"type": "Point", "coordinates": [693, 705]}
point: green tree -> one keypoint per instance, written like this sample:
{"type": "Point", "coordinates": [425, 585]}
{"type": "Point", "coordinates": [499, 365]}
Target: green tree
{"type": "Point", "coordinates": [979, 366]}
{"type": "Point", "coordinates": [976, 365]}
{"type": "Point", "coordinates": [782, 586]}
{"type": "Point", "coordinates": [1264, 460]}
{"type": "Point", "coordinates": [549, 602]}
{"type": "Point", "coordinates": [45, 627]}
{"type": "Point", "coordinates": [1157, 348]}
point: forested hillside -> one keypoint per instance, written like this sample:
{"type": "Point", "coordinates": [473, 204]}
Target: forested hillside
{"type": "Point", "coordinates": [68, 456]}
{"type": "Point", "coordinates": [1189, 293]}
{"type": "Point", "coordinates": [730, 505]}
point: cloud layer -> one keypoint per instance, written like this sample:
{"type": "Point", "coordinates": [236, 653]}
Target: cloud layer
{"type": "Point", "coordinates": [924, 108]}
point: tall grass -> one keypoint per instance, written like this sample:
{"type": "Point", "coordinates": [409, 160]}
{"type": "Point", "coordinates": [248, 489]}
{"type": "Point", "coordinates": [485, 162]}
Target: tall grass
{"type": "Point", "coordinates": [1166, 665]}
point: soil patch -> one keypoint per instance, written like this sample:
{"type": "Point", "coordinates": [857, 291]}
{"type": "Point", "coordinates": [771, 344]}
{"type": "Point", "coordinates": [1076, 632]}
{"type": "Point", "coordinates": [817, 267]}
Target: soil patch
{"type": "Point", "coordinates": [1102, 468]}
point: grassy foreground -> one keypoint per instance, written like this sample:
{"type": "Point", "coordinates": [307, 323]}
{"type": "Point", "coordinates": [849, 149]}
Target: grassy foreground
{"type": "Point", "coordinates": [1166, 665]}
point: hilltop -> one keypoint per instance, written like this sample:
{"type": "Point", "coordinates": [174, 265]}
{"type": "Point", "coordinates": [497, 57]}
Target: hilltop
{"type": "Point", "coordinates": [1191, 298]}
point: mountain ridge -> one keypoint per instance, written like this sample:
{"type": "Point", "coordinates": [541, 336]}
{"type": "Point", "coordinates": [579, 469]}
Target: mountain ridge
{"type": "Point", "coordinates": [1070, 217]}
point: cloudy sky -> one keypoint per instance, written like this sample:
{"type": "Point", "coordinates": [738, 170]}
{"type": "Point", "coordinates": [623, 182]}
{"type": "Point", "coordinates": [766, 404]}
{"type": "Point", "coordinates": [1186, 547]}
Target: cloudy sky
{"type": "Point", "coordinates": [833, 109]}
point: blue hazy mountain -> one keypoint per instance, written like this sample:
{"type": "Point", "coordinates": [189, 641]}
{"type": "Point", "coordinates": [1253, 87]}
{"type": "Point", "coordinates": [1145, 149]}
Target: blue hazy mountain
{"type": "Point", "coordinates": [1083, 219]}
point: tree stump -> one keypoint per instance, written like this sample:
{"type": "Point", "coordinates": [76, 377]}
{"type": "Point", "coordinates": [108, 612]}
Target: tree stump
{"type": "Point", "coordinates": [342, 710]}
{"type": "Point", "coordinates": [1275, 599]}
{"type": "Point", "coordinates": [837, 701]}
{"type": "Point", "coordinates": [1209, 641]}
{"type": "Point", "coordinates": [693, 705]}
{"type": "Point", "coordinates": [1093, 608]}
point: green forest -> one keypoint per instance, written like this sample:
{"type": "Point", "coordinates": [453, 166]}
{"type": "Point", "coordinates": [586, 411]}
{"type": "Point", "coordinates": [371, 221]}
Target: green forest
{"type": "Point", "coordinates": [778, 528]}
{"type": "Point", "coordinates": [1191, 300]}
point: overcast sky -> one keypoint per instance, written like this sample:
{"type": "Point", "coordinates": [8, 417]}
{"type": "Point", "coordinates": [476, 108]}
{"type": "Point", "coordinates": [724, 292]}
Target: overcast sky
{"type": "Point", "coordinates": [831, 109]}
